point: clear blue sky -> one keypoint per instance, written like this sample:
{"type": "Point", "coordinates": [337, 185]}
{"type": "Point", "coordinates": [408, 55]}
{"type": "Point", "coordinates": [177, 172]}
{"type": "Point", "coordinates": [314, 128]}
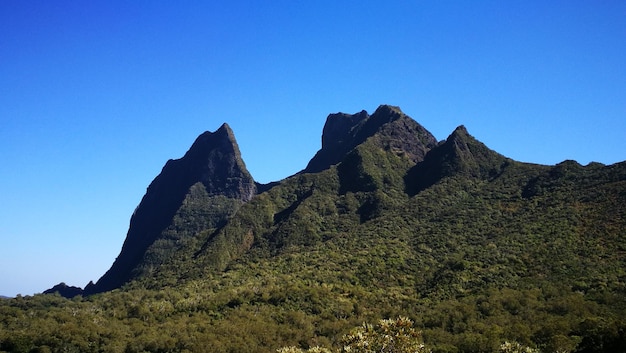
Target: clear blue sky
{"type": "Point", "coordinates": [96, 96]}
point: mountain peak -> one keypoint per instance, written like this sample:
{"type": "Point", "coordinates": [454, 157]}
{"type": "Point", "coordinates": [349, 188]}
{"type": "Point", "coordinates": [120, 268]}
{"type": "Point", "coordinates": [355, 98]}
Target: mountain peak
{"type": "Point", "coordinates": [343, 132]}
{"type": "Point", "coordinates": [226, 130]}
{"type": "Point", "coordinates": [212, 167]}
{"type": "Point", "coordinates": [461, 153]}
{"type": "Point", "coordinates": [337, 128]}
{"type": "Point", "coordinates": [388, 110]}
{"type": "Point", "coordinates": [382, 115]}
{"type": "Point", "coordinates": [460, 130]}
{"type": "Point", "coordinates": [338, 138]}
{"type": "Point", "coordinates": [223, 138]}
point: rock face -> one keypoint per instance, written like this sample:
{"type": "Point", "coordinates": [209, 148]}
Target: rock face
{"type": "Point", "coordinates": [337, 139]}
{"type": "Point", "coordinates": [343, 132]}
{"type": "Point", "coordinates": [211, 174]}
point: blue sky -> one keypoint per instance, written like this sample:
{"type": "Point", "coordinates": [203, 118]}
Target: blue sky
{"type": "Point", "coordinates": [96, 96]}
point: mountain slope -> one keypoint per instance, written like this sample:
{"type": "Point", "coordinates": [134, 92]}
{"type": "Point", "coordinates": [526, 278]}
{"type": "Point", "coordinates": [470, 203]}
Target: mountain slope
{"type": "Point", "coordinates": [197, 192]}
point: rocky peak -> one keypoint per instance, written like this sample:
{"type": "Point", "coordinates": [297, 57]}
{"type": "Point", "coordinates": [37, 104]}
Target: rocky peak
{"type": "Point", "coordinates": [461, 154]}
{"type": "Point", "coordinates": [460, 138]}
{"type": "Point", "coordinates": [337, 128]}
{"type": "Point", "coordinates": [462, 146]}
{"type": "Point", "coordinates": [461, 151]}
{"type": "Point", "coordinates": [338, 138]}
{"type": "Point", "coordinates": [207, 141]}
{"type": "Point", "coordinates": [343, 132]}
{"type": "Point", "coordinates": [215, 163]}
{"type": "Point", "coordinates": [401, 133]}
{"type": "Point", "coordinates": [386, 113]}
{"type": "Point", "coordinates": [215, 160]}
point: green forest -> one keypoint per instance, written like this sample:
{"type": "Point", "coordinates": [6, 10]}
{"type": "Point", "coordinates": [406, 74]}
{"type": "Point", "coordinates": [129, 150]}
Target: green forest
{"type": "Point", "coordinates": [468, 251]}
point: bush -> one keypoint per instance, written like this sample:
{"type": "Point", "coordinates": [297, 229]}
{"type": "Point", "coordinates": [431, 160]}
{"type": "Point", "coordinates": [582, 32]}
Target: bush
{"type": "Point", "coordinates": [389, 336]}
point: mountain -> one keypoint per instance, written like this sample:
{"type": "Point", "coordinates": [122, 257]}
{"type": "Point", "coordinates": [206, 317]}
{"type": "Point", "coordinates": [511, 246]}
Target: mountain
{"type": "Point", "coordinates": [195, 193]}
{"type": "Point", "coordinates": [384, 220]}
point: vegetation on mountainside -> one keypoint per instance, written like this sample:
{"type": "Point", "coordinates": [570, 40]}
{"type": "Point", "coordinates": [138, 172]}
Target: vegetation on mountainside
{"type": "Point", "coordinates": [491, 255]}
{"type": "Point", "coordinates": [474, 263]}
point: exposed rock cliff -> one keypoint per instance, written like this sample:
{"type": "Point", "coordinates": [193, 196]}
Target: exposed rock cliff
{"type": "Point", "coordinates": [210, 177]}
{"type": "Point", "coordinates": [343, 132]}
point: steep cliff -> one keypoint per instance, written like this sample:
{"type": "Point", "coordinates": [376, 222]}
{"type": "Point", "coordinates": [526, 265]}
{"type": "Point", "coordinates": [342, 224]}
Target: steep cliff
{"type": "Point", "coordinates": [194, 193]}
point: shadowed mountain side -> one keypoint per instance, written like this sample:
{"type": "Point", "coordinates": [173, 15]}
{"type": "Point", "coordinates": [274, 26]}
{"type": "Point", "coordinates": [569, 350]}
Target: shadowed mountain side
{"type": "Point", "coordinates": [462, 154]}
{"type": "Point", "coordinates": [213, 167]}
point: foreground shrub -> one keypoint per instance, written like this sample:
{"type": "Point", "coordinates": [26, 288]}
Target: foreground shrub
{"type": "Point", "coordinates": [389, 336]}
{"type": "Point", "coordinates": [514, 347]}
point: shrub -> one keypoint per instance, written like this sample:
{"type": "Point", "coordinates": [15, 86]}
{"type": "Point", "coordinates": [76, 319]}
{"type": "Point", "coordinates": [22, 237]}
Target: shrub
{"type": "Point", "coordinates": [389, 336]}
